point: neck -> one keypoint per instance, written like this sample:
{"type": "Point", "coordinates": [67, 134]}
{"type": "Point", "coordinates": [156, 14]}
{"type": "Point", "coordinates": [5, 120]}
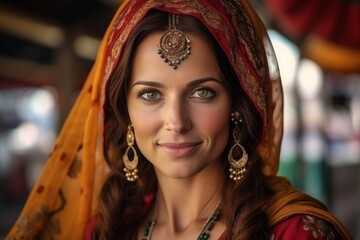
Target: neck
{"type": "Point", "coordinates": [183, 203]}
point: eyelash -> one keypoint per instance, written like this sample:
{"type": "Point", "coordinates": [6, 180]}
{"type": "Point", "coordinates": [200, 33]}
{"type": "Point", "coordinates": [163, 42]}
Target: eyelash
{"type": "Point", "coordinates": [151, 90]}
{"type": "Point", "coordinates": [212, 91]}
{"type": "Point", "coordinates": [148, 90]}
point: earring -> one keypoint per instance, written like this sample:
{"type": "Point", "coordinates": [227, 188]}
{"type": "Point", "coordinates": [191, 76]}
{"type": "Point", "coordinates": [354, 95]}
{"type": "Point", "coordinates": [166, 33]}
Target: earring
{"type": "Point", "coordinates": [237, 162]}
{"type": "Point", "coordinates": [130, 168]}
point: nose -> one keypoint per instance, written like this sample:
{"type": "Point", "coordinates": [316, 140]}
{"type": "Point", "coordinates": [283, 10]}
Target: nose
{"type": "Point", "coordinates": [177, 117]}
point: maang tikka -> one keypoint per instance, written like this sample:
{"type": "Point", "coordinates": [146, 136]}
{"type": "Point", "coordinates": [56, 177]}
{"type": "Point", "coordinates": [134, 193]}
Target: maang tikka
{"type": "Point", "coordinates": [174, 44]}
{"type": "Point", "coordinates": [237, 164]}
{"type": "Point", "coordinates": [130, 168]}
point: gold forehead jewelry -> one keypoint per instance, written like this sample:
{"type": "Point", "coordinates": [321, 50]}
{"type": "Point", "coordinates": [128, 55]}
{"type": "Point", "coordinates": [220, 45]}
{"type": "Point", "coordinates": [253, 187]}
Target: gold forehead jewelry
{"type": "Point", "coordinates": [174, 44]}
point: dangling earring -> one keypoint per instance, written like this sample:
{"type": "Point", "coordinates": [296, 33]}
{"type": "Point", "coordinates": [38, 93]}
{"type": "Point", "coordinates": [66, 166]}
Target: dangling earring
{"type": "Point", "coordinates": [237, 163]}
{"type": "Point", "coordinates": [130, 165]}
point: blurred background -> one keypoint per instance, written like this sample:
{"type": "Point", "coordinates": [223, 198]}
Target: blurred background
{"type": "Point", "coordinates": [48, 47]}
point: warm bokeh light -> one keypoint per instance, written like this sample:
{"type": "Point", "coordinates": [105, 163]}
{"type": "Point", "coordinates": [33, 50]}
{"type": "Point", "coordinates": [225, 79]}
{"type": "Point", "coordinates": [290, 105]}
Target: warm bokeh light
{"type": "Point", "coordinates": [310, 79]}
{"type": "Point", "coordinates": [86, 47]}
{"type": "Point", "coordinates": [287, 55]}
{"type": "Point", "coordinates": [24, 137]}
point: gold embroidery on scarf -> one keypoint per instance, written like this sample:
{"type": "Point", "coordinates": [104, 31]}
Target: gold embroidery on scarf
{"type": "Point", "coordinates": [119, 22]}
{"type": "Point", "coordinates": [244, 28]}
{"type": "Point", "coordinates": [116, 46]}
{"type": "Point", "coordinates": [124, 29]}
{"type": "Point", "coordinates": [318, 227]}
{"type": "Point", "coordinates": [252, 43]}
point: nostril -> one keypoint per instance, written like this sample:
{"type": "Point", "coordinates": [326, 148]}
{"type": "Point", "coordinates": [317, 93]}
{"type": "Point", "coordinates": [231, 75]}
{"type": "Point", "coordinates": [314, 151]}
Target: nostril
{"type": "Point", "coordinates": [178, 127]}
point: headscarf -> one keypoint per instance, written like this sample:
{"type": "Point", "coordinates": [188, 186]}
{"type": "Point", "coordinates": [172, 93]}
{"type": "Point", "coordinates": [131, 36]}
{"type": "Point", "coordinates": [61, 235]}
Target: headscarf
{"type": "Point", "coordinates": [65, 196]}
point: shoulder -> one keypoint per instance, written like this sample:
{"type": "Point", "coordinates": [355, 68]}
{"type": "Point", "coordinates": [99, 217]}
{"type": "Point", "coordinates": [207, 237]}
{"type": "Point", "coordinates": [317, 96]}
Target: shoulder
{"type": "Point", "coordinates": [303, 227]}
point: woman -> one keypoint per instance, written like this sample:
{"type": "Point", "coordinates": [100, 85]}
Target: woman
{"type": "Point", "coordinates": [176, 135]}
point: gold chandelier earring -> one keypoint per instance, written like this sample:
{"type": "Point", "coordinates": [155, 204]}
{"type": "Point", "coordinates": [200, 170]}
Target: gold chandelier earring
{"type": "Point", "coordinates": [130, 168]}
{"type": "Point", "coordinates": [237, 156]}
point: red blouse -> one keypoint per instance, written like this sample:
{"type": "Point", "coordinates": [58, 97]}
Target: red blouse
{"type": "Point", "coordinates": [298, 227]}
{"type": "Point", "coordinates": [303, 227]}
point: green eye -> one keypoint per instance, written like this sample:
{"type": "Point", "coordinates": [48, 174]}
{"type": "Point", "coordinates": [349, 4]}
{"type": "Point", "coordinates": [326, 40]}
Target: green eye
{"type": "Point", "coordinates": [203, 93]}
{"type": "Point", "coordinates": [150, 95]}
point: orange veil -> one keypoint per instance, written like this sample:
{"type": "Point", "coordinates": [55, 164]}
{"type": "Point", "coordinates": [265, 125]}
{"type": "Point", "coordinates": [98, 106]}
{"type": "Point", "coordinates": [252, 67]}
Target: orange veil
{"type": "Point", "coordinates": [65, 196]}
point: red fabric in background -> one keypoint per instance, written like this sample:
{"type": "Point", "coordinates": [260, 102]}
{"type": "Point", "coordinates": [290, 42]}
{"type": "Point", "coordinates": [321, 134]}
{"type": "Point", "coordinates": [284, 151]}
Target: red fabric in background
{"type": "Point", "coordinates": [337, 21]}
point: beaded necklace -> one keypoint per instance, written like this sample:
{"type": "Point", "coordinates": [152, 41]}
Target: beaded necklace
{"type": "Point", "coordinates": [204, 233]}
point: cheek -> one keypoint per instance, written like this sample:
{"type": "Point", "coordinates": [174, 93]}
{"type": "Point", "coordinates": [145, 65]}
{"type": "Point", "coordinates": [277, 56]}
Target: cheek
{"type": "Point", "coordinates": [144, 123]}
{"type": "Point", "coordinates": [215, 123]}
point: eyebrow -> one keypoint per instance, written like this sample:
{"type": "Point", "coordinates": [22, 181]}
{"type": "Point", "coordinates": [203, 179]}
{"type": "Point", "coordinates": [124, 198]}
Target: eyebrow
{"type": "Point", "coordinates": [190, 84]}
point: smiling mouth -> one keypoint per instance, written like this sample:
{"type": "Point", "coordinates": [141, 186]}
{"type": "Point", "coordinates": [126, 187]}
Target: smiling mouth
{"type": "Point", "coordinates": [180, 149]}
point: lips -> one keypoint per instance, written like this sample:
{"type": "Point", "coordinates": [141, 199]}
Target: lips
{"type": "Point", "coordinates": [178, 150]}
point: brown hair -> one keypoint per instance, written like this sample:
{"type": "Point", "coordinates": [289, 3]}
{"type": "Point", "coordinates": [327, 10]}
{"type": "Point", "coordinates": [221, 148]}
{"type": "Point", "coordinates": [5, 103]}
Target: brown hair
{"type": "Point", "coordinates": [122, 203]}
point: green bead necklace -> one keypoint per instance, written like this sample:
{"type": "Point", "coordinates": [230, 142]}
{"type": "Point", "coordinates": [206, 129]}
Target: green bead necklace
{"type": "Point", "coordinates": [204, 233]}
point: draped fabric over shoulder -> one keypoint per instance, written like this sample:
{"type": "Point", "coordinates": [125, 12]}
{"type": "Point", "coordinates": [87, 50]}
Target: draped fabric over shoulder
{"type": "Point", "coordinates": [65, 197]}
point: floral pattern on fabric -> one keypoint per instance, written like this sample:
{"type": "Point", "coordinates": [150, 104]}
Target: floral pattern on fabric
{"type": "Point", "coordinates": [41, 213]}
{"type": "Point", "coordinates": [303, 227]}
{"type": "Point", "coordinates": [318, 227]}
{"type": "Point", "coordinates": [52, 227]}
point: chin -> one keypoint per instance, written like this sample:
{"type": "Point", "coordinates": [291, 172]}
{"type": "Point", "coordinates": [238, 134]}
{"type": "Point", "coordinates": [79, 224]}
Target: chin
{"type": "Point", "coordinates": [182, 172]}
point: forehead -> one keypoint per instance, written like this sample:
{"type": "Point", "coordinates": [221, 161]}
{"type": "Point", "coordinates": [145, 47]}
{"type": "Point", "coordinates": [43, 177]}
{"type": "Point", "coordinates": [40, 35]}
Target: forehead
{"type": "Point", "coordinates": [148, 65]}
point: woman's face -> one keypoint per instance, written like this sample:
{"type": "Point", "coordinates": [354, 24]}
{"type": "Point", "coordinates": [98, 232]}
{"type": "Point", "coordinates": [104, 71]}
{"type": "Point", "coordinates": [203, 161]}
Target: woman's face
{"type": "Point", "coordinates": [180, 117]}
